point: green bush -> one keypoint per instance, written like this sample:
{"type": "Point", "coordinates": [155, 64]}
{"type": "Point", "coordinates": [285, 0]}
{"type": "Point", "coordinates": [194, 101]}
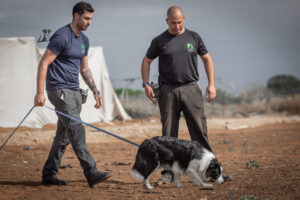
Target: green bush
{"type": "Point", "coordinates": [118, 91]}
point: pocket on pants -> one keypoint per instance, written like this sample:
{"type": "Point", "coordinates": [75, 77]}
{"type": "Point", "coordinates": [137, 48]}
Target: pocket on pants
{"type": "Point", "coordinates": [62, 96]}
{"type": "Point", "coordinates": [194, 95]}
{"type": "Point", "coordinates": [57, 98]}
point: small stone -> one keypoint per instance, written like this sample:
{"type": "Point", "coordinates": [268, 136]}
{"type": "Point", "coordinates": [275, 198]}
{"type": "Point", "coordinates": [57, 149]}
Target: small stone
{"type": "Point", "coordinates": [27, 148]}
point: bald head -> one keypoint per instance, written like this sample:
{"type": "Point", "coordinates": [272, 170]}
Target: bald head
{"type": "Point", "coordinates": [175, 20]}
{"type": "Point", "coordinates": [174, 11]}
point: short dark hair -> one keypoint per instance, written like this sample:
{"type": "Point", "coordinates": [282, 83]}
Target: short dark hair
{"type": "Point", "coordinates": [81, 7]}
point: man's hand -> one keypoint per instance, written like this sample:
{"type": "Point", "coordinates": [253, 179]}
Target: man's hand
{"type": "Point", "coordinates": [39, 100]}
{"type": "Point", "coordinates": [211, 93]}
{"type": "Point", "coordinates": [210, 73]}
{"type": "Point", "coordinates": [149, 93]}
{"type": "Point", "coordinates": [99, 101]}
{"type": "Point", "coordinates": [145, 70]}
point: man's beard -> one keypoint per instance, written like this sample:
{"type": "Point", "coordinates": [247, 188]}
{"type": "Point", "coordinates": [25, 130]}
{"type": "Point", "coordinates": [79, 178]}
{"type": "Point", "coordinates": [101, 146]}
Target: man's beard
{"type": "Point", "coordinates": [83, 27]}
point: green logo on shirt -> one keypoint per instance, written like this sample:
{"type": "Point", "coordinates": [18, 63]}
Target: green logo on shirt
{"type": "Point", "coordinates": [82, 48]}
{"type": "Point", "coordinates": [190, 47]}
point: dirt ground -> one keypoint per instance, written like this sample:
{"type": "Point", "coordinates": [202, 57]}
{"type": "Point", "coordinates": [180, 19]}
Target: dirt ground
{"type": "Point", "coordinates": [272, 152]}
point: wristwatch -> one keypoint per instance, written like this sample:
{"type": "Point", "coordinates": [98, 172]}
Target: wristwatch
{"type": "Point", "coordinates": [145, 83]}
{"type": "Point", "coordinates": [97, 92]}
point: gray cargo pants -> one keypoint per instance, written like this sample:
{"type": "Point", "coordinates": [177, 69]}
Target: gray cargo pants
{"type": "Point", "coordinates": [68, 131]}
{"type": "Point", "coordinates": [187, 98]}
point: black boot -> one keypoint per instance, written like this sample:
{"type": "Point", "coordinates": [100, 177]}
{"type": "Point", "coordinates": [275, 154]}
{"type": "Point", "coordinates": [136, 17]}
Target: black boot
{"type": "Point", "coordinates": [52, 180]}
{"type": "Point", "coordinates": [97, 178]}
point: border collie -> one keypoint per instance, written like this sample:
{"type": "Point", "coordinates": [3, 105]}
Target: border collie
{"type": "Point", "coordinates": [179, 156]}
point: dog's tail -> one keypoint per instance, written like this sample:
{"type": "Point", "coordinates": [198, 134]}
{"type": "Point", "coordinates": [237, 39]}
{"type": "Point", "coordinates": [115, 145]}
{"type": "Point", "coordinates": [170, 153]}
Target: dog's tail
{"type": "Point", "coordinates": [136, 175]}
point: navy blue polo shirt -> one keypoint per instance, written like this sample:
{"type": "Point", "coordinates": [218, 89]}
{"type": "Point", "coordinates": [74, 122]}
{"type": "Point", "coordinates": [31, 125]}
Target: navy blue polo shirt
{"type": "Point", "coordinates": [70, 49]}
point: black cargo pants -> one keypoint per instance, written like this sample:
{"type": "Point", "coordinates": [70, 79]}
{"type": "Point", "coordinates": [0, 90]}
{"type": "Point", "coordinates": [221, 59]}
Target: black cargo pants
{"type": "Point", "coordinates": [68, 131]}
{"type": "Point", "coordinates": [186, 98]}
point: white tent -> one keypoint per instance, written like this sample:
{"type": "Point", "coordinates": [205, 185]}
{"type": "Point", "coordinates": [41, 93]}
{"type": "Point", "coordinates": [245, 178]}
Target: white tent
{"type": "Point", "coordinates": [19, 60]}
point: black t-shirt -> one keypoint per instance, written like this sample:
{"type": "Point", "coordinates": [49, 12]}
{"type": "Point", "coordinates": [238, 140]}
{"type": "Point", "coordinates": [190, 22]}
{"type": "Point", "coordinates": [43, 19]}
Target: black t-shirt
{"type": "Point", "coordinates": [177, 56]}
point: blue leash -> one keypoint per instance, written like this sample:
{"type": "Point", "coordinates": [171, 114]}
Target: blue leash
{"type": "Point", "coordinates": [73, 118]}
{"type": "Point", "coordinates": [17, 127]}
{"type": "Point", "coordinates": [99, 129]}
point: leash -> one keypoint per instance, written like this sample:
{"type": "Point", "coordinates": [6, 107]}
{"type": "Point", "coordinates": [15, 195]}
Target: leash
{"type": "Point", "coordinates": [75, 119]}
{"type": "Point", "coordinates": [99, 129]}
{"type": "Point", "coordinates": [16, 128]}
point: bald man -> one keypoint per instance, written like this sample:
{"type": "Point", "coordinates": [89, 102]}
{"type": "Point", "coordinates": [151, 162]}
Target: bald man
{"type": "Point", "coordinates": [177, 49]}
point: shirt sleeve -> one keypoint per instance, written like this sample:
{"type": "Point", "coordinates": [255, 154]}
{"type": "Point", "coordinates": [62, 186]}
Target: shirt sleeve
{"type": "Point", "coordinates": [152, 50]}
{"type": "Point", "coordinates": [57, 43]}
{"type": "Point", "coordinates": [202, 50]}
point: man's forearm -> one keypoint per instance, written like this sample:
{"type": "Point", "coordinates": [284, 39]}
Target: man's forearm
{"type": "Point", "coordinates": [145, 69]}
{"type": "Point", "coordinates": [209, 69]}
{"type": "Point", "coordinates": [210, 72]}
{"type": "Point", "coordinates": [41, 77]}
{"type": "Point", "coordinates": [89, 80]}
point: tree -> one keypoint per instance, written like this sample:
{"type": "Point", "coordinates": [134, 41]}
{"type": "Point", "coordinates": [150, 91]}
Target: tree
{"type": "Point", "coordinates": [284, 84]}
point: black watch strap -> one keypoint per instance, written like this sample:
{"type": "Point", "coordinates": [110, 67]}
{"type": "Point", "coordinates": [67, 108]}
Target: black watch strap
{"type": "Point", "coordinates": [145, 83]}
{"type": "Point", "coordinates": [97, 92]}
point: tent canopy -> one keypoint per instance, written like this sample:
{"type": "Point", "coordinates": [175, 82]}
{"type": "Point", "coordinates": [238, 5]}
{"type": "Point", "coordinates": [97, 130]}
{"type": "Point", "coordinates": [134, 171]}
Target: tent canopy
{"type": "Point", "coordinates": [19, 61]}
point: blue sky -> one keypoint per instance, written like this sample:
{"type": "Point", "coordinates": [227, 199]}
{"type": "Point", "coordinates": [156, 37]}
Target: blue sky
{"type": "Point", "coordinates": [249, 41]}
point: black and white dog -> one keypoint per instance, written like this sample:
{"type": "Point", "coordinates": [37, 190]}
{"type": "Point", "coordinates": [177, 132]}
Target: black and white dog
{"type": "Point", "coordinates": [179, 156]}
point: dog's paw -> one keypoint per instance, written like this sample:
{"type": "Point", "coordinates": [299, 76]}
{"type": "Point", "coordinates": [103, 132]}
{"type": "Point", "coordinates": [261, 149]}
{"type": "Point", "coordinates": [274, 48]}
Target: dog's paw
{"type": "Point", "coordinates": [149, 187]}
{"type": "Point", "coordinates": [178, 185]}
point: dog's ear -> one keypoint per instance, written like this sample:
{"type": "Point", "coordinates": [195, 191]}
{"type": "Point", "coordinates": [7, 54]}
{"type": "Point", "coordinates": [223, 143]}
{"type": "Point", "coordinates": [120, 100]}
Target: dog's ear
{"type": "Point", "coordinates": [215, 163]}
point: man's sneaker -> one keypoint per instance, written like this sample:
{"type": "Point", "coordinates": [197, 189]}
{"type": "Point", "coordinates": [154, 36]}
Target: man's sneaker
{"type": "Point", "coordinates": [52, 180]}
{"type": "Point", "coordinates": [227, 178]}
{"type": "Point", "coordinates": [98, 177]}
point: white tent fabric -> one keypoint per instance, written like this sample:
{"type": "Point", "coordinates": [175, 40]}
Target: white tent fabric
{"type": "Point", "coordinates": [19, 60]}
